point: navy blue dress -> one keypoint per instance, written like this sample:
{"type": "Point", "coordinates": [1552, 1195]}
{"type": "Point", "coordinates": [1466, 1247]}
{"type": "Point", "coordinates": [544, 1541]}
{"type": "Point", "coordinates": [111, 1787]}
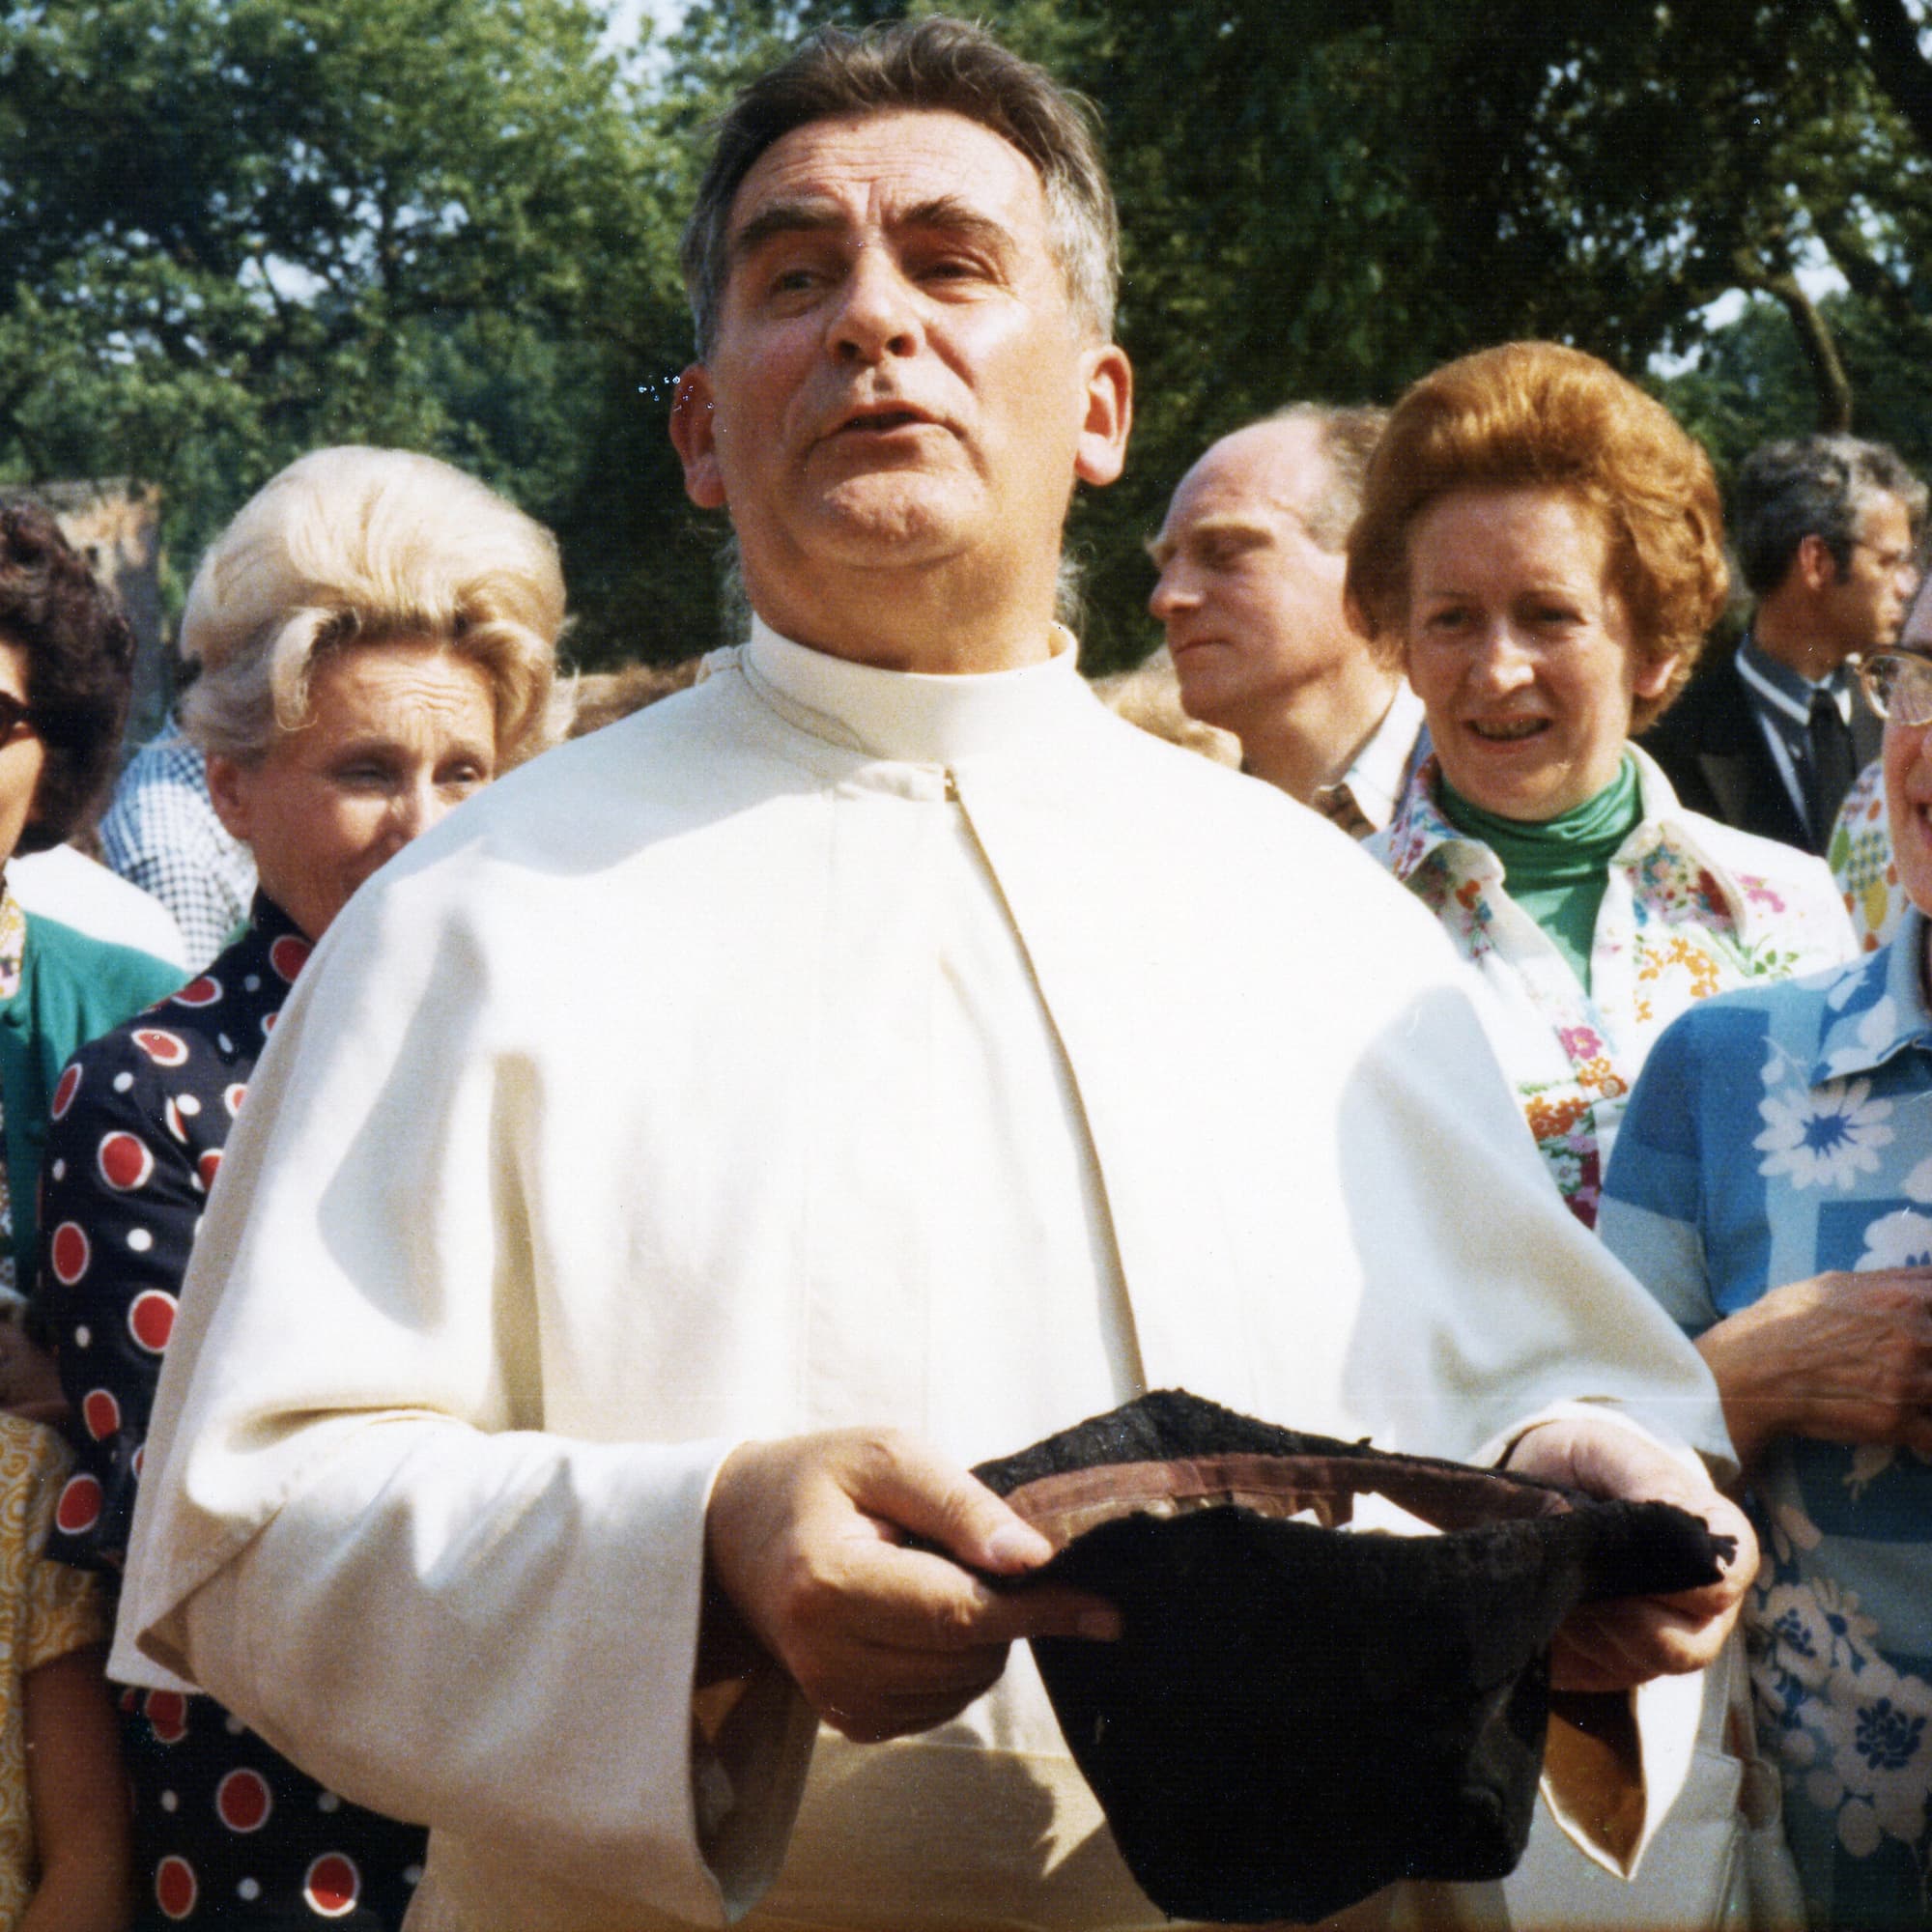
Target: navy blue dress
{"type": "Point", "coordinates": [227, 1833]}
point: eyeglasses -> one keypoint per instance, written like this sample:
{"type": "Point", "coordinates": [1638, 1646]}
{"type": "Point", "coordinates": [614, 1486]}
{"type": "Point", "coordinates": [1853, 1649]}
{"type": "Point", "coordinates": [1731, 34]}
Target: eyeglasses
{"type": "Point", "coordinates": [1890, 563]}
{"type": "Point", "coordinates": [1899, 685]}
{"type": "Point", "coordinates": [14, 713]}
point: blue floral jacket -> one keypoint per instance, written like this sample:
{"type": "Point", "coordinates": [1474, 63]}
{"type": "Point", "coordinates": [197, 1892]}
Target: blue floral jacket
{"type": "Point", "coordinates": [1778, 1134]}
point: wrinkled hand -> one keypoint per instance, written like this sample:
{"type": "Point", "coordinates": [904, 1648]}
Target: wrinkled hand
{"type": "Point", "coordinates": [805, 1538]}
{"type": "Point", "coordinates": [1611, 1646]}
{"type": "Point", "coordinates": [30, 1383]}
{"type": "Point", "coordinates": [1841, 1357]}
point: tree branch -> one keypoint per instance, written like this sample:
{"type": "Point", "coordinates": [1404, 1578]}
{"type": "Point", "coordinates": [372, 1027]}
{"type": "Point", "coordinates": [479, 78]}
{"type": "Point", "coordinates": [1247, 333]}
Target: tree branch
{"type": "Point", "coordinates": [1828, 379]}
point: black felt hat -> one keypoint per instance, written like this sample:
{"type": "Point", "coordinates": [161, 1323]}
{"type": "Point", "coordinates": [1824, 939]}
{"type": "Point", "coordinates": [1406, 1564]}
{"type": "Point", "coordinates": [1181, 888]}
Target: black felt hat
{"type": "Point", "coordinates": [1293, 1717]}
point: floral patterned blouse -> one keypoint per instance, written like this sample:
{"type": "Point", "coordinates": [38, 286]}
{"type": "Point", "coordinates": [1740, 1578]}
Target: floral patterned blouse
{"type": "Point", "coordinates": [45, 1612]}
{"type": "Point", "coordinates": [1860, 857]}
{"type": "Point", "coordinates": [226, 1831]}
{"type": "Point", "coordinates": [1776, 1134]}
{"type": "Point", "coordinates": [1693, 908]}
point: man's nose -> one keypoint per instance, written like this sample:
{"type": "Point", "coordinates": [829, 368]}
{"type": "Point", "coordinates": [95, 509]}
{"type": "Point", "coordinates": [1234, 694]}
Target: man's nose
{"type": "Point", "coordinates": [878, 311]}
{"type": "Point", "coordinates": [1172, 593]}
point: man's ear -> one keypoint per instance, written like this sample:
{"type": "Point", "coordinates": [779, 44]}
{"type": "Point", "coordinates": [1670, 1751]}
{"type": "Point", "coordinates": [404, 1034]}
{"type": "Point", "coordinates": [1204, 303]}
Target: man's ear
{"type": "Point", "coordinates": [1109, 389]}
{"type": "Point", "coordinates": [693, 437]}
{"type": "Point", "coordinates": [1816, 567]}
{"type": "Point", "coordinates": [228, 793]}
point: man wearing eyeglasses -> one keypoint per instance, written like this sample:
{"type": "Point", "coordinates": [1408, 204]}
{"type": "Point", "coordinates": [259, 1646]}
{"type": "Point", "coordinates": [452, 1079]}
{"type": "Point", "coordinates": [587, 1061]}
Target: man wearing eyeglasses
{"type": "Point", "coordinates": [1827, 530]}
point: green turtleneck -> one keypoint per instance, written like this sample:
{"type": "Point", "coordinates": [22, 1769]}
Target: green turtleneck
{"type": "Point", "coordinates": [1558, 872]}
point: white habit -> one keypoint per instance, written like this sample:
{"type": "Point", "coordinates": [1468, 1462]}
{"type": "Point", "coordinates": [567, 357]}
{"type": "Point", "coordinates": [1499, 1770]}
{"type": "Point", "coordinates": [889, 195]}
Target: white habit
{"type": "Point", "coordinates": [823, 1046]}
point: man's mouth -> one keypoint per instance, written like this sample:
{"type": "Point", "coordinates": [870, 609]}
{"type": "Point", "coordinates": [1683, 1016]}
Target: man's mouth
{"type": "Point", "coordinates": [882, 421]}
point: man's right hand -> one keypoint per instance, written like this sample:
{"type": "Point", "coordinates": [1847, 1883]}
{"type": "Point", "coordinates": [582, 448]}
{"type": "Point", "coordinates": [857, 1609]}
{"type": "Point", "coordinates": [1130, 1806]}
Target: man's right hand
{"type": "Point", "coordinates": [806, 1535]}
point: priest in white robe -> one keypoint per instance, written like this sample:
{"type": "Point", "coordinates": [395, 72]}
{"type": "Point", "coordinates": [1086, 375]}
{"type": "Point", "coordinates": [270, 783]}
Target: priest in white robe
{"type": "Point", "coordinates": [668, 1176]}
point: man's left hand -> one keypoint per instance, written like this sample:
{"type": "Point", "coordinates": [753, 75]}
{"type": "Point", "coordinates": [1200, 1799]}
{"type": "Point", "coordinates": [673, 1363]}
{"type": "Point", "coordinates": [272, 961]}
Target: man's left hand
{"type": "Point", "coordinates": [1611, 1646]}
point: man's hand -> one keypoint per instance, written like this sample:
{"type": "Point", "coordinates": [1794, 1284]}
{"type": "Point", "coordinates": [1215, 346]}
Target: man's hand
{"type": "Point", "coordinates": [805, 1537]}
{"type": "Point", "coordinates": [1842, 1357]}
{"type": "Point", "coordinates": [1612, 1646]}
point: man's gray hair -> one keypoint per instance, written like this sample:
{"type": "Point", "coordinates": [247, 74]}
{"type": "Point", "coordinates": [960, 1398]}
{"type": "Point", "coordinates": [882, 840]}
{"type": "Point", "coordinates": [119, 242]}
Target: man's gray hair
{"type": "Point", "coordinates": [1820, 486]}
{"type": "Point", "coordinates": [1349, 438]}
{"type": "Point", "coordinates": [931, 65]}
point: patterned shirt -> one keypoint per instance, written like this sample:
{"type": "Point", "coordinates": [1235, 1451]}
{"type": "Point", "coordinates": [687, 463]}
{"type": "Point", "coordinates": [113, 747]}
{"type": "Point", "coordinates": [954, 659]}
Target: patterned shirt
{"type": "Point", "coordinates": [1364, 798]}
{"type": "Point", "coordinates": [226, 1831]}
{"type": "Point", "coordinates": [160, 833]}
{"type": "Point", "coordinates": [1861, 862]}
{"type": "Point", "coordinates": [1693, 907]}
{"type": "Point", "coordinates": [47, 1610]}
{"type": "Point", "coordinates": [1776, 1134]}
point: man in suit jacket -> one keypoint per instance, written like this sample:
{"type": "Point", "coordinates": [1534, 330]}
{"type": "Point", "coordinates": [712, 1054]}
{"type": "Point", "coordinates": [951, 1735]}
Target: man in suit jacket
{"type": "Point", "coordinates": [1769, 739]}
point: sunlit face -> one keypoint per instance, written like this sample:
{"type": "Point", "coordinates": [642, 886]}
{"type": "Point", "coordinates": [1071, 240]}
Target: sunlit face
{"type": "Point", "coordinates": [22, 755]}
{"type": "Point", "coordinates": [1864, 603]}
{"type": "Point", "coordinates": [1908, 776]}
{"type": "Point", "coordinates": [397, 734]}
{"type": "Point", "coordinates": [1251, 602]}
{"type": "Point", "coordinates": [1520, 650]}
{"type": "Point", "coordinates": [899, 379]}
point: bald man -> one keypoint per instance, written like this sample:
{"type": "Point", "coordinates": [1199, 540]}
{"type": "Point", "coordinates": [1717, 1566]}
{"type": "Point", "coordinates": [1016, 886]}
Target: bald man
{"type": "Point", "coordinates": [1251, 561]}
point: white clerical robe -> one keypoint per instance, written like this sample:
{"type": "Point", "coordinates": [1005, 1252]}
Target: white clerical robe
{"type": "Point", "coordinates": [823, 1046]}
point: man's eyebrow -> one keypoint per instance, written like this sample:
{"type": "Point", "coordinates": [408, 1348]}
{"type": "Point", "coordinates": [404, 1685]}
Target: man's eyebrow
{"type": "Point", "coordinates": [810, 215]}
{"type": "Point", "coordinates": [957, 217]}
{"type": "Point", "coordinates": [785, 217]}
{"type": "Point", "coordinates": [1228, 525]}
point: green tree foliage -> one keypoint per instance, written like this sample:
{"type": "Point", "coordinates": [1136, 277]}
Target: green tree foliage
{"type": "Point", "coordinates": [230, 229]}
{"type": "Point", "coordinates": [1324, 198]}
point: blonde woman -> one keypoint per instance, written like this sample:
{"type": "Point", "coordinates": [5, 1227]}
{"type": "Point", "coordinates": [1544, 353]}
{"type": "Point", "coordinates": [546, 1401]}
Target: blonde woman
{"type": "Point", "coordinates": [375, 634]}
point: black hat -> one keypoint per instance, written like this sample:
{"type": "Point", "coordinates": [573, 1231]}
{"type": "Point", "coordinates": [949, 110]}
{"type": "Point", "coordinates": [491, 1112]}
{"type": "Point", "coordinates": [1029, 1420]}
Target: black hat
{"type": "Point", "coordinates": [1294, 1718]}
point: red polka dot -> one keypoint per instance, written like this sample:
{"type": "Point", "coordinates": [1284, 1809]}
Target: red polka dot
{"type": "Point", "coordinates": [177, 1127]}
{"type": "Point", "coordinates": [70, 1086]}
{"type": "Point", "coordinates": [79, 1507]}
{"type": "Point", "coordinates": [175, 1889]}
{"type": "Point", "coordinates": [151, 1320]}
{"type": "Point", "coordinates": [269, 1023]}
{"type": "Point", "coordinates": [166, 1712]}
{"type": "Point", "coordinates": [242, 1801]}
{"type": "Point", "coordinates": [332, 1886]}
{"type": "Point", "coordinates": [124, 1161]}
{"type": "Point", "coordinates": [234, 1098]}
{"type": "Point", "coordinates": [101, 1412]}
{"type": "Point", "coordinates": [289, 955]}
{"type": "Point", "coordinates": [209, 1166]}
{"type": "Point", "coordinates": [70, 1252]}
{"type": "Point", "coordinates": [202, 992]}
{"type": "Point", "coordinates": [164, 1049]}
{"type": "Point", "coordinates": [140, 1462]}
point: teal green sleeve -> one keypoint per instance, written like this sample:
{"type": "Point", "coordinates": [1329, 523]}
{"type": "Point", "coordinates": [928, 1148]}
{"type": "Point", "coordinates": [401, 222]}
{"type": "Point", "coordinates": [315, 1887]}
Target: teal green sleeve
{"type": "Point", "coordinates": [73, 989]}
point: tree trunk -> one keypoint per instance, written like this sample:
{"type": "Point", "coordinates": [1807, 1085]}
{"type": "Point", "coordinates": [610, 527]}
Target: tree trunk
{"type": "Point", "coordinates": [1828, 381]}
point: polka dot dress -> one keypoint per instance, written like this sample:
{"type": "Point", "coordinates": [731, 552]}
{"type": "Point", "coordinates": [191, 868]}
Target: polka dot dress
{"type": "Point", "coordinates": [227, 1833]}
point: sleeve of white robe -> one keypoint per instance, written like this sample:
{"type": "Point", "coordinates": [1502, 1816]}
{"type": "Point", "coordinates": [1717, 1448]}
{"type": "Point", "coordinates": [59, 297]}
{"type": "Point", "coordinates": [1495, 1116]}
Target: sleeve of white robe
{"type": "Point", "coordinates": [467, 1621]}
